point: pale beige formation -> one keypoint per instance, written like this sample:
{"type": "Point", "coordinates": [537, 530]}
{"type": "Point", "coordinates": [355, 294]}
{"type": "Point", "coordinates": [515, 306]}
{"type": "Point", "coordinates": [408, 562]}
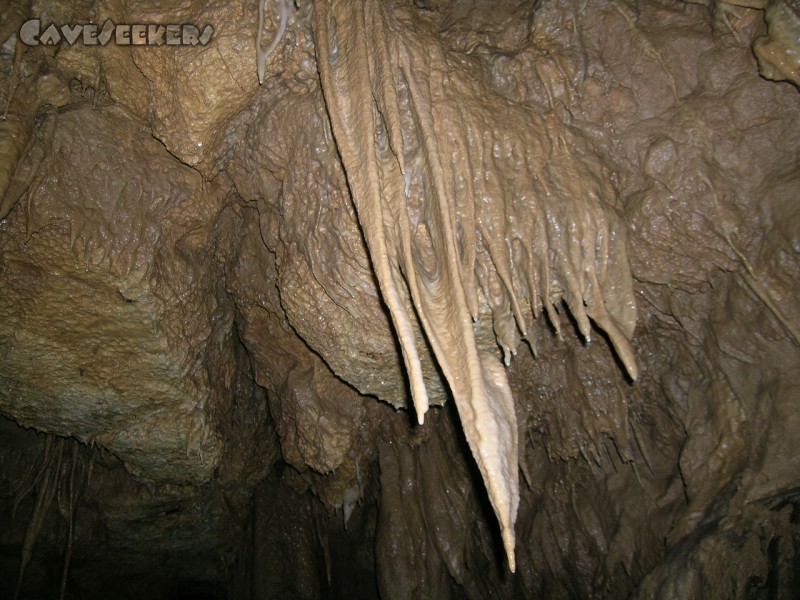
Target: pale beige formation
{"type": "Point", "coordinates": [262, 54]}
{"type": "Point", "coordinates": [468, 200]}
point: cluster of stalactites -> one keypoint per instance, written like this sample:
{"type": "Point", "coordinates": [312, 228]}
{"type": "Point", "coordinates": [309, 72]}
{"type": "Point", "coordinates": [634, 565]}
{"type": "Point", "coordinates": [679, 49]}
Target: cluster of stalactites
{"type": "Point", "coordinates": [467, 199]}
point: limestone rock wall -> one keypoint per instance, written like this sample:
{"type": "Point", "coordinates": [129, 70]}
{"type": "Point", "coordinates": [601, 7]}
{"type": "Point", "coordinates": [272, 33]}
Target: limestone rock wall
{"type": "Point", "coordinates": [200, 370]}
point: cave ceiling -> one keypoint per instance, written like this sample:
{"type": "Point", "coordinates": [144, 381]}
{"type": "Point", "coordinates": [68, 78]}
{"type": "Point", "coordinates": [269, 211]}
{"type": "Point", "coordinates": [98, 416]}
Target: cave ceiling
{"type": "Point", "coordinates": [409, 299]}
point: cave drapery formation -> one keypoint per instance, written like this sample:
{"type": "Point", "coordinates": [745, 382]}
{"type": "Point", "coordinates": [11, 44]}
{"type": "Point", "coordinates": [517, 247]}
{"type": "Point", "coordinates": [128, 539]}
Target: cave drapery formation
{"type": "Point", "coordinates": [225, 267]}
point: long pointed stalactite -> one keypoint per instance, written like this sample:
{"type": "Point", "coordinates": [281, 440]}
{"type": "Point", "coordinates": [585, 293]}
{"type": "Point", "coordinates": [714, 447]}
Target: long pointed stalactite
{"type": "Point", "coordinates": [468, 201]}
{"type": "Point", "coordinates": [62, 475]}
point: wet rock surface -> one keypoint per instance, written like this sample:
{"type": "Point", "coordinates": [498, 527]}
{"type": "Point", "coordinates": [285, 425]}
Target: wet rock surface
{"type": "Point", "coordinates": [200, 370]}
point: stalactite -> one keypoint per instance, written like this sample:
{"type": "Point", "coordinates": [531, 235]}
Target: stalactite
{"type": "Point", "coordinates": [466, 201]}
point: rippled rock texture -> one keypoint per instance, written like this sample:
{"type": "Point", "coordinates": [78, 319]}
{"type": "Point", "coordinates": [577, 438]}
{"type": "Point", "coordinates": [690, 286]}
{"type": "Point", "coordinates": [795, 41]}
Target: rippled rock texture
{"type": "Point", "coordinates": [465, 299]}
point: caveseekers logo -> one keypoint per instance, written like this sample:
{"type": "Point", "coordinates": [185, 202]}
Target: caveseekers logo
{"type": "Point", "coordinates": [90, 34]}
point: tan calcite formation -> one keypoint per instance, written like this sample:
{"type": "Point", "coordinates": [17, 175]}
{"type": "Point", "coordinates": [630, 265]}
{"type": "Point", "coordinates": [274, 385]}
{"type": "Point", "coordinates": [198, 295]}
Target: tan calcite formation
{"type": "Point", "coordinates": [186, 94]}
{"type": "Point", "coordinates": [105, 318]}
{"type": "Point", "coordinates": [316, 415]}
{"type": "Point", "coordinates": [778, 52]}
{"type": "Point", "coordinates": [468, 200]}
{"type": "Point", "coordinates": [288, 160]}
{"type": "Point", "coordinates": [22, 142]}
